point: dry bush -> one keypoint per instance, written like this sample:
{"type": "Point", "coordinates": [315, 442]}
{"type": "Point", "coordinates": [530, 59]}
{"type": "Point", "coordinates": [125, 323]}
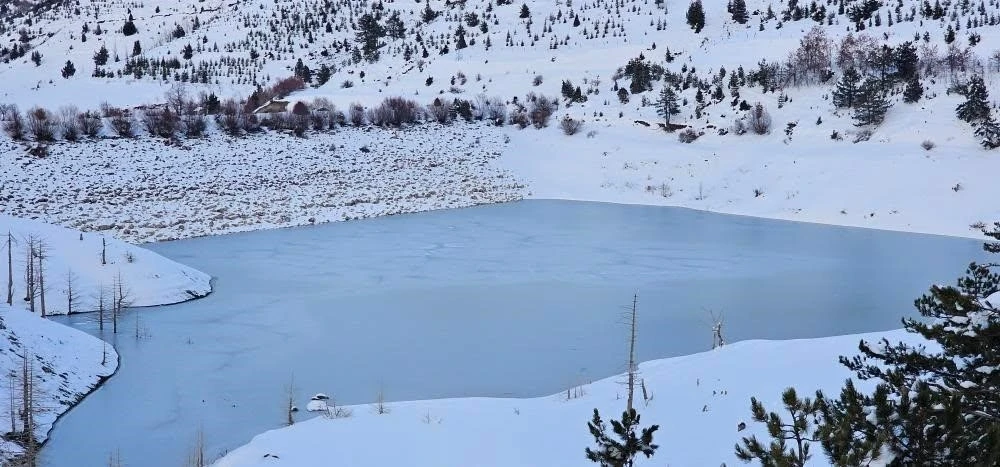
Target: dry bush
{"type": "Point", "coordinates": [286, 86]}
{"type": "Point", "coordinates": [277, 121]}
{"type": "Point", "coordinates": [356, 113]}
{"type": "Point", "coordinates": [439, 112]}
{"type": "Point", "coordinates": [687, 136]}
{"type": "Point", "coordinates": [570, 126]}
{"type": "Point", "coordinates": [299, 123]}
{"type": "Point", "coordinates": [541, 110]}
{"type": "Point", "coordinates": [90, 123]}
{"type": "Point", "coordinates": [491, 109]}
{"type": "Point", "coordinates": [759, 120]}
{"type": "Point", "coordinates": [121, 122]}
{"type": "Point", "coordinates": [927, 145]}
{"type": "Point", "coordinates": [160, 122]}
{"type": "Point", "coordinates": [194, 125]}
{"type": "Point", "coordinates": [69, 123]}
{"type": "Point", "coordinates": [320, 120]}
{"type": "Point", "coordinates": [519, 117]}
{"type": "Point", "coordinates": [300, 108]}
{"type": "Point", "coordinates": [14, 125]}
{"type": "Point", "coordinates": [231, 118]}
{"type": "Point", "coordinates": [41, 124]}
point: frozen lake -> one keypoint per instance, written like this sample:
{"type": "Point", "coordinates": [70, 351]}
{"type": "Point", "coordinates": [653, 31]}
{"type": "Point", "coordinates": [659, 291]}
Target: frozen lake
{"type": "Point", "coordinates": [521, 299]}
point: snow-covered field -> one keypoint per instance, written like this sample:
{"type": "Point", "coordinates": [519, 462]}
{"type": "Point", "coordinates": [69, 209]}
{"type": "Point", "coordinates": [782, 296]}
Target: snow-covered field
{"type": "Point", "coordinates": [66, 364]}
{"type": "Point", "coordinates": [74, 258]}
{"type": "Point", "coordinates": [698, 401]}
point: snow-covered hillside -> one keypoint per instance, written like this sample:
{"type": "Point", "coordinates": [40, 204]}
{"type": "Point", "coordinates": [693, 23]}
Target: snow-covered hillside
{"type": "Point", "coordinates": [71, 263]}
{"type": "Point", "coordinates": [698, 401]}
{"type": "Point", "coordinates": [63, 364]}
{"type": "Point", "coordinates": [922, 169]}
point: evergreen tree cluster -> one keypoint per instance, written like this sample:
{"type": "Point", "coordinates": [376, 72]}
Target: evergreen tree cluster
{"type": "Point", "coordinates": [932, 405]}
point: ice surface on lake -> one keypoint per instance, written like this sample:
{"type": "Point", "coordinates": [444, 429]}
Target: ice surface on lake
{"type": "Point", "coordinates": [522, 299]}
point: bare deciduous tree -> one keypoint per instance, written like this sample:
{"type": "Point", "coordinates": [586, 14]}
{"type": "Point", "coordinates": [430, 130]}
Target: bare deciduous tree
{"type": "Point", "coordinates": [10, 268]}
{"type": "Point", "coordinates": [759, 120]}
{"type": "Point", "coordinates": [197, 457]}
{"type": "Point", "coordinates": [41, 124]}
{"type": "Point", "coordinates": [380, 407]}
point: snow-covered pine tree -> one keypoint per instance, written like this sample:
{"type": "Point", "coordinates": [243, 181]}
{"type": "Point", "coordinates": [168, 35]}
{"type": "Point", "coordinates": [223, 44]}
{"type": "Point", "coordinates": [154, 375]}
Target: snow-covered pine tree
{"type": "Point", "coordinates": [913, 91]}
{"type": "Point", "coordinates": [846, 93]}
{"type": "Point", "coordinates": [871, 104]}
{"type": "Point", "coordinates": [988, 132]}
{"type": "Point", "coordinates": [620, 452]}
{"type": "Point", "coordinates": [666, 105]}
{"type": "Point", "coordinates": [696, 16]}
{"type": "Point", "coordinates": [976, 106]}
{"type": "Point", "coordinates": [940, 404]}
{"type": "Point", "coordinates": [739, 11]}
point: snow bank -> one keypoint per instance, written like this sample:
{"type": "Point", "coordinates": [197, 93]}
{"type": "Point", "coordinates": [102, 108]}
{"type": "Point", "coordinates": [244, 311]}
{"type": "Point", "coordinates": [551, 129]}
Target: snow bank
{"type": "Point", "coordinates": [698, 401]}
{"type": "Point", "coordinates": [149, 278]}
{"type": "Point", "coordinates": [67, 364]}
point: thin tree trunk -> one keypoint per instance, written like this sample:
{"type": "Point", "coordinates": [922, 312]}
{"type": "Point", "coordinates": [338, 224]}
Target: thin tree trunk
{"type": "Point", "coordinates": [631, 356]}
{"type": "Point", "coordinates": [10, 269]}
{"type": "Point", "coordinates": [41, 277]}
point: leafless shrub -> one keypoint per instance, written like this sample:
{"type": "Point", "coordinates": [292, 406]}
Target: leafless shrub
{"type": "Point", "coordinates": [356, 113]}
{"type": "Point", "coordinates": [300, 108]}
{"type": "Point", "coordinates": [541, 110]}
{"type": "Point", "coordinates": [160, 122]}
{"type": "Point", "coordinates": [491, 109]}
{"type": "Point", "coordinates": [231, 118]}
{"type": "Point", "coordinates": [927, 145]}
{"type": "Point", "coordinates": [194, 125]}
{"type": "Point", "coordinates": [439, 112]}
{"type": "Point", "coordinates": [7, 110]}
{"type": "Point", "coordinates": [519, 117]}
{"type": "Point", "coordinates": [41, 125]}
{"type": "Point", "coordinates": [14, 125]}
{"type": "Point", "coordinates": [121, 123]}
{"type": "Point", "coordinates": [394, 111]}
{"type": "Point", "coordinates": [69, 123]}
{"type": "Point", "coordinates": [300, 123]}
{"type": "Point", "coordinates": [570, 126]}
{"type": "Point", "coordinates": [177, 97]}
{"type": "Point", "coordinates": [863, 135]}
{"type": "Point", "coordinates": [90, 123]}
{"type": "Point", "coordinates": [739, 126]}
{"type": "Point", "coordinates": [537, 81]}
{"type": "Point", "coordinates": [759, 120]}
{"type": "Point", "coordinates": [687, 136]}
{"type": "Point", "coordinates": [286, 86]}
{"type": "Point", "coordinates": [320, 120]}
{"type": "Point", "coordinates": [277, 121]}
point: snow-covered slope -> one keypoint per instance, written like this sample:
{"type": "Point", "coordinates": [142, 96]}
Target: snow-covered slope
{"type": "Point", "coordinates": [65, 365]}
{"type": "Point", "coordinates": [808, 167]}
{"type": "Point", "coordinates": [698, 401]}
{"type": "Point", "coordinates": [148, 278]}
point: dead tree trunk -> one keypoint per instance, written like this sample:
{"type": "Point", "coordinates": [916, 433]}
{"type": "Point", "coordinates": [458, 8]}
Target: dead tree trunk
{"type": "Point", "coordinates": [104, 251]}
{"type": "Point", "coordinates": [71, 294]}
{"type": "Point", "coordinates": [631, 355]}
{"type": "Point", "coordinates": [10, 269]}
{"type": "Point", "coordinates": [42, 251]}
{"type": "Point", "coordinates": [29, 276]}
{"type": "Point", "coordinates": [100, 307]}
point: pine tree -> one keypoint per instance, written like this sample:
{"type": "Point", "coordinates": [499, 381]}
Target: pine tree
{"type": "Point", "coordinates": [460, 38]}
{"type": "Point", "coordinates": [428, 14]}
{"type": "Point", "coordinates": [913, 91]}
{"type": "Point", "coordinates": [988, 132]}
{"type": "Point", "coordinates": [939, 403]}
{"type": "Point", "coordinates": [620, 452]}
{"type": "Point", "coordinates": [101, 56]}
{"type": "Point", "coordinates": [696, 16]}
{"type": "Point", "coordinates": [846, 93]}
{"type": "Point", "coordinates": [323, 75]}
{"type": "Point", "coordinates": [666, 105]}
{"type": "Point", "coordinates": [799, 430]}
{"type": "Point", "coordinates": [739, 11]}
{"type": "Point", "coordinates": [68, 69]}
{"type": "Point", "coordinates": [871, 105]}
{"type": "Point", "coordinates": [976, 106]}
{"type": "Point", "coordinates": [906, 60]}
{"type": "Point", "coordinates": [949, 35]}
{"type": "Point", "coordinates": [128, 29]}
{"type": "Point", "coordinates": [36, 57]}
{"type": "Point", "coordinates": [525, 12]}
{"type": "Point", "coordinates": [369, 35]}
{"type": "Point", "coordinates": [136, 50]}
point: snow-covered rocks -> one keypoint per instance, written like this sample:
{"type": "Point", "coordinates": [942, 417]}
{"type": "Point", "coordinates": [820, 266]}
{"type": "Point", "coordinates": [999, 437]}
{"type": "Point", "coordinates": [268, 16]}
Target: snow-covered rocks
{"type": "Point", "coordinates": [142, 190]}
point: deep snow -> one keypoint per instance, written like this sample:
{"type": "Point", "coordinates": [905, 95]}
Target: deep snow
{"type": "Point", "coordinates": [697, 400]}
